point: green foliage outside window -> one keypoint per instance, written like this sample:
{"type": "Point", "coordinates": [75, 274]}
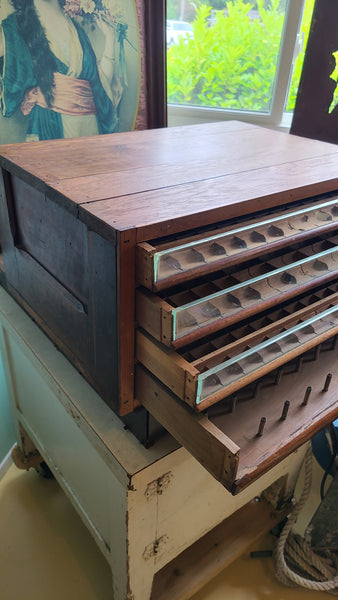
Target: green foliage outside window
{"type": "Point", "coordinates": [231, 64]}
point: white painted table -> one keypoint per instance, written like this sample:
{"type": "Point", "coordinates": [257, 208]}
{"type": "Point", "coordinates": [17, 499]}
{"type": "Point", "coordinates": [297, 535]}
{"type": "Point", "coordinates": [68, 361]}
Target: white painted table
{"type": "Point", "coordinates": [144, 507]}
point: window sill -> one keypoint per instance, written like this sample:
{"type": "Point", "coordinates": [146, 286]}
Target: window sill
{"type": "Point", "coordinates": [190, 115]}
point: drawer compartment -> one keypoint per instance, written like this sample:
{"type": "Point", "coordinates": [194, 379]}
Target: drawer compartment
{"type": "Point", "coordinates": [237, 446]}
{"type": "Point", "coordinates": [187, 313]}
{"type": "Point", "coordinates": [162, 265]}
{"type": "Point", "coordinates": [209, 371]}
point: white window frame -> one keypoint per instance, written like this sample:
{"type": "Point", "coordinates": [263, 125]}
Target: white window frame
{"type": "Point", "coordinates": [276, 117]}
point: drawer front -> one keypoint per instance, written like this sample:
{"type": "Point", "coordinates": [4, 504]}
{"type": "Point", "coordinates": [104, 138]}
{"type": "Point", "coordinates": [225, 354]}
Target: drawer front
{"type": "Point", "coordinates": [162, 265]}
{"type": "Point", "coordinates": [237, 446]}
{"type": "Point", "coordinates": [192, 311]}
{"type": "Point", "coordinates": [206, 372]}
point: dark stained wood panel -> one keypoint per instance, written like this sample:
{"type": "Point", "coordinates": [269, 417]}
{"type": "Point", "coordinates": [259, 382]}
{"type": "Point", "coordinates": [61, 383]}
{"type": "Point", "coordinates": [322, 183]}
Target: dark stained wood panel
{"type": "Point", "coordinates": [40, 289]}
{"type": "Point", "coordinates": [315, 113]}
{"type": "Point", "coordinates": [40, 223]}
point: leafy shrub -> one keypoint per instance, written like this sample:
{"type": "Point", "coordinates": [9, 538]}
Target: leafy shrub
{"type": "Point", "coordinates": [231, 64]}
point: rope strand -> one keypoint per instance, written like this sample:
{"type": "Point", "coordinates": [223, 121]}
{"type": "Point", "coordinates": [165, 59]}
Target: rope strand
{"type": "Point", "coordinates": [321, 569]}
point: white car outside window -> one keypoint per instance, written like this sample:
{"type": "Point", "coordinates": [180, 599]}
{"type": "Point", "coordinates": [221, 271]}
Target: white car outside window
{"type": "Point", "coordinates": [176, 30]}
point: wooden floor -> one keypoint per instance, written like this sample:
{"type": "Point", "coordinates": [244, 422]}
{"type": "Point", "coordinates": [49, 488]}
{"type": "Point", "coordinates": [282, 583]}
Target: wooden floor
{"type": "Point", "coordinates": [46, 553]}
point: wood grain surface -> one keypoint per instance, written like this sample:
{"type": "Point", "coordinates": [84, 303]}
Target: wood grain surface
{"type": "Point", "coordinates": [159, 181]}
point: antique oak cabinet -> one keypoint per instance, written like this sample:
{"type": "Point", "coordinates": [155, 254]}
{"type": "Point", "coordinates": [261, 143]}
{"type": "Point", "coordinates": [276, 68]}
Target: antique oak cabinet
{"type": "Point", "coordinates": [188, 273]}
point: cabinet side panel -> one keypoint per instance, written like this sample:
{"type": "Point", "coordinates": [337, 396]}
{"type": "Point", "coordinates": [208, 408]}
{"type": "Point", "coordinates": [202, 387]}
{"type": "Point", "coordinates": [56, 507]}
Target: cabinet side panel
{"type": "Point", "coordinates": [52, 236]}
{"type": "Point", "coordinates": [65, 277]}
{"type": "Point", "coordinates": [7, 228]}
{"type": "Point", "coordinates": [103, 317]}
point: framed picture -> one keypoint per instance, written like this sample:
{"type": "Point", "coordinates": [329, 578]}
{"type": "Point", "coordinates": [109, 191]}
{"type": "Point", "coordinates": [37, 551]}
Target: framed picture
{"type": "Point", "coordinates": [71, 68]}
{"type": "Point", "coordinates": [316, 109]}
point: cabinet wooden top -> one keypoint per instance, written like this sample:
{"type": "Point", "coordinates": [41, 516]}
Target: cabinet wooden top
{"type": "Point", "coordinates": [167, 180]}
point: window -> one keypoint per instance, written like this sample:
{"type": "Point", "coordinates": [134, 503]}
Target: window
{"type": "Point", "coordinates": [239, 60]}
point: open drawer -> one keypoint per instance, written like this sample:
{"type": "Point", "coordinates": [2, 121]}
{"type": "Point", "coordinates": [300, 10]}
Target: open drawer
{"type": "Point", "coordinates": [164, 264]}
{"type": "Point", "coordinates": [193, 310]}
{"type": "Point", "coordinates": [238, 444]}
{"type": "Point", "coordinates": [211, 370]}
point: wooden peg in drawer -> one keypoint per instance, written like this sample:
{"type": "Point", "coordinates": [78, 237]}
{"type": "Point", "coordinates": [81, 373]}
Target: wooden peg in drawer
{"type": "Point", "coordinates": [261, 427]}
{"type": "Point", "coordinates": [285, 410]}
{"type": "Point", "coordinates": [278, 375]}
{"type": "Point", "coordinates": [307, 395]}
{"type": "Point", "coordinates": [327, 382]}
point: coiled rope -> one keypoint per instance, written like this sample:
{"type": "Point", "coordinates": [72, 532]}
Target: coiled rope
{"type": "Point", "coordinates": [322, 570]}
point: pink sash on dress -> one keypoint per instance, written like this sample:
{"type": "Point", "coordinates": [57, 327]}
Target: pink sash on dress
{"type": "Point", "coordinates": [71, 97]}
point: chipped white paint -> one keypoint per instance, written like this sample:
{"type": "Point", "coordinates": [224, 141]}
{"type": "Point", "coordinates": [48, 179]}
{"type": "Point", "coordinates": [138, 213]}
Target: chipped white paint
{"type": "Point", "coordinates": [158, 486]}
{"type": "Point", "coordinates": [156, 548]}
{"type": "Point", "coordinates": [143, 507]}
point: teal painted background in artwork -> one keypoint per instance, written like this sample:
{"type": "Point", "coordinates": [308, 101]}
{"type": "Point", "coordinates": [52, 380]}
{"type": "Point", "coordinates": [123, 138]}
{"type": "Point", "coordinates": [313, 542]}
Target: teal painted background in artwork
{"type": "Point", "coordinates": [7, 437]}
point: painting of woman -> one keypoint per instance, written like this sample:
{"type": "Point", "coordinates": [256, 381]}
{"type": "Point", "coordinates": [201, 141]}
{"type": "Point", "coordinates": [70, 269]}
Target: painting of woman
{"type": "Point", "coordinates": [64, 70]}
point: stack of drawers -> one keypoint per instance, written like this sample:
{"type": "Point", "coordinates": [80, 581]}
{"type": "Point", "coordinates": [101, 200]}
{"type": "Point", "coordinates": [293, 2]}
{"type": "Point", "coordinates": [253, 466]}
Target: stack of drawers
{"type": "Point", "coordinates": [224, 317]}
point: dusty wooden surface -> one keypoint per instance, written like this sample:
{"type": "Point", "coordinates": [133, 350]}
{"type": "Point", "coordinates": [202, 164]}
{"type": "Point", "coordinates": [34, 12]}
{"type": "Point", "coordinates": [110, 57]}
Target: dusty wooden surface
{"type": "Point", "coordinates": [156, 180]}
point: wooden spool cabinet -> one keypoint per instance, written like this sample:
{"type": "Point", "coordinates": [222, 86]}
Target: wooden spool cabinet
{"type": "Point", "coordinates": [191, 271]}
